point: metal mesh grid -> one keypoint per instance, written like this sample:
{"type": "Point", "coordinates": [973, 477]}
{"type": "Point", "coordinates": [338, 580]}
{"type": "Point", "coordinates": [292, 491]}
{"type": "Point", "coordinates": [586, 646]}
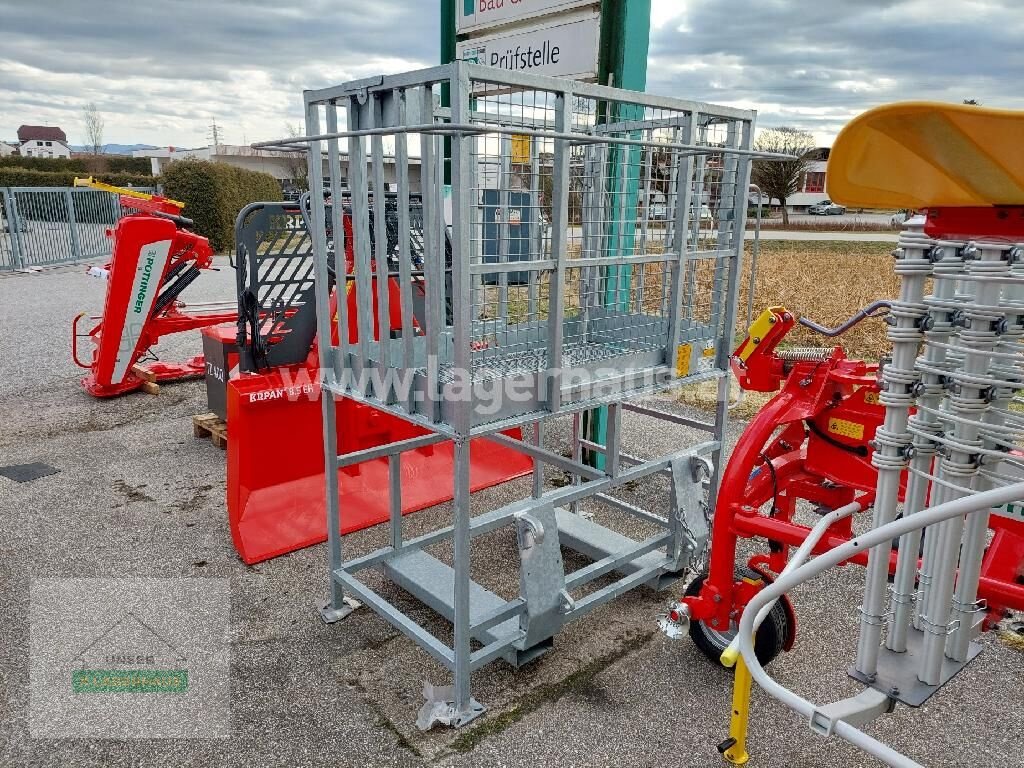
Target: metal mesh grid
{"type": "Point", "coordinates": [591, 228]}
{"type": "Point", "coordinates": [623, 202]}
{"type": "Point", "coordinates": [52, 225]}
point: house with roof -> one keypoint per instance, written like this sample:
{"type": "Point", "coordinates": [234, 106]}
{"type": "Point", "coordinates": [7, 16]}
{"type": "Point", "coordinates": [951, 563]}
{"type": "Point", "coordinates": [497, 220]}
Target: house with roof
{"type": "Point", "coordinates": [811, 189]}
{"type": "Point", "coordinates": [7, 149]}
{"type": "Point", "coordinates": [42, 141]}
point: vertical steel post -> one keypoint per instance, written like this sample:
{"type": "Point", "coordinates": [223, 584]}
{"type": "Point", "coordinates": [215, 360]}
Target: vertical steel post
{"type": "Point", "coordinates": [741, 135]}
{"type": "Point", "coordinates": [538, 465]}
{"type": "Point", "coordinates": [341, 357]}
{"type": "Point", "coordinates": [76, 242]}
{"type": "Point", "coordinates": [360, 236]}
{"type": "Point", "coordinates": [504, 180]}
{"type": "Point", "coordinates": [14, 228]}
{"type": "Point", "coordinates": [395, 498]}
{"type": "Point", "coordinates": [380, 245]}
{"type": "Point", "coordinates": [339, 605]}
{"type": "Point", "coordinates": [536, 235]}
{"type": "Point", "coordinates": [405, 247]}
{"type": "Point", "coordinates": [434, 320]}
{"type": "Point", "coordinates": [577, 455]}
{"type": "Point", "coordinates": [622, 62]}
{"type": "Point", "coordinates": [462, 189]}
{"type": "Point", "coordinates": [682, 189]}
{"type": "Point", "coordinates": [559, 248]}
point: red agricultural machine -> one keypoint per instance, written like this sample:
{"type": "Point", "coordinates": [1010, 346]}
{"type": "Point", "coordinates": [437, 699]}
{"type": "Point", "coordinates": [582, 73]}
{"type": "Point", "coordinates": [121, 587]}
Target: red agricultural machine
{"type": "Point", "coordinates": [155, 258]}
{"type": "Point", "coordinates": [275, 501]}
{"type": "Point", "coordinates": [931, 440]}
{"type": "Point", "coordinates": [812, 445]}
{"type": "Point", "coordinates": [262, 371]}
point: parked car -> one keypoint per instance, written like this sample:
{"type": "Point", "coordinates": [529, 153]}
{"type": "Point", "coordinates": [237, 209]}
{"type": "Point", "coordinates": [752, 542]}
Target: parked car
{"type": "Point", "coordinates": [826, 208]}
{"type": "Point", "coordinates": [900, 217]}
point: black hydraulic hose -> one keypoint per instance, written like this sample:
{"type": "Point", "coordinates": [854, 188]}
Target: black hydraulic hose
{"type": "Point", "coordinates": [182, 222]}
{"type": "Point", "coordinates": [870, 310]}
{"type": "Point", "coordinates": [249, 315]}
{"type": "Point", "coordinates": [182, 280]}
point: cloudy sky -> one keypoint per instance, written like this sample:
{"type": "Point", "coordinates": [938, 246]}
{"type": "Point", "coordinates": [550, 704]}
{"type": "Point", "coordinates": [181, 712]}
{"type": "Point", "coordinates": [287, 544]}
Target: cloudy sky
{"type": "Point", "coordinates": [161, 72]}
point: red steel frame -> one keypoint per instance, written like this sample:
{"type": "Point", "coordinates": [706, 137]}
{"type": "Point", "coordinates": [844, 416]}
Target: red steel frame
{"type": "Point", "coordinates": [149, 247]}
{"type": "Point", "coordinates": [812, 442]}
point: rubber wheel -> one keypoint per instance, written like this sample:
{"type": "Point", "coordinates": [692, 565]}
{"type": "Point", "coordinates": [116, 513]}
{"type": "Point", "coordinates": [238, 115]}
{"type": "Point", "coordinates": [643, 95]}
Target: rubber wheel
{"type": "Point", "coordinates": [771, 635]}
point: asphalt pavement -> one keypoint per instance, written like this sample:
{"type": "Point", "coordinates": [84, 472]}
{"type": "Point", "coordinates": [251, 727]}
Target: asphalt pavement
{"type": "Point", "coordinates": [137, 496]}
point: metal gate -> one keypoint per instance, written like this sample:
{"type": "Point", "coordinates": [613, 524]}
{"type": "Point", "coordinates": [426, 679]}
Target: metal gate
{"type": "Point", "coordinates": [53, 225]}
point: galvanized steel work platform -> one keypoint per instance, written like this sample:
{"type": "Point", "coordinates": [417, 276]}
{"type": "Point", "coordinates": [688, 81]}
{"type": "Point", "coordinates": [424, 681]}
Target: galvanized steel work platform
{"type": "Point", "coordinates": [595, 238]}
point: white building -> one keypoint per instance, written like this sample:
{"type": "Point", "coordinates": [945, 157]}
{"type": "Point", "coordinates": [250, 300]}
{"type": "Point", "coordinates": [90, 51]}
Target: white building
{"type": "Point", "coordinates": [812, 185]}
{"type": "Point", "coordinates": [6, 150]}
{"type": "Point", "coordinates": [282, 165]}
{"type": "Point", "coordinates": [42, 141]}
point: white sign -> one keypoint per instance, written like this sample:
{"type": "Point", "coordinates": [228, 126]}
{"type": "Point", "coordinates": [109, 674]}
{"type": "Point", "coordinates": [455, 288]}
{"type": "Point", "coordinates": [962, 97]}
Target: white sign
{"type": "Point", "coordinates": [474, 15]}
{"type": "Point", "coordinates": [567, 49]}
{"type": "Point", "coordinates": [149, 271]}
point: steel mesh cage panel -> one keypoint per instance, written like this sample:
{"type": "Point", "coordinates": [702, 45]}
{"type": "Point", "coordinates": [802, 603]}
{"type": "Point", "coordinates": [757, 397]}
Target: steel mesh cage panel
{"type": "Point", "coordinates": [579, 247]}
{"type": "Point", "coordinates": [576, 239]}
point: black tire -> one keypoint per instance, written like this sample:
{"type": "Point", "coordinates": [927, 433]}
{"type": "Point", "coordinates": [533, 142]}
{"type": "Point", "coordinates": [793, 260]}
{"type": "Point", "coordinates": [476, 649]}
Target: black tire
{"type": "Point", "coordinates": [771, 635]}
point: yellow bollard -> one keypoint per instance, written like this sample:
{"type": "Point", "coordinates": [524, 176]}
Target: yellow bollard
{"type": "Point", "coordinates": [734, 749]}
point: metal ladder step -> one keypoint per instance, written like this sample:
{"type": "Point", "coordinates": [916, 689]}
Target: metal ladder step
{"type": "Point", "coordinates": [597, 542]}
{"type": "Point", "coordinates": [432, 582]}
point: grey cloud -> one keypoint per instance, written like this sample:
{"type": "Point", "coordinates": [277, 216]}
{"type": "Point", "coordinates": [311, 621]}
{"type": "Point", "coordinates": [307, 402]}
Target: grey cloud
{"type": "Point", "coordinates": [840, 57]}
{"type": "Point", "coordinates": [161, 71]}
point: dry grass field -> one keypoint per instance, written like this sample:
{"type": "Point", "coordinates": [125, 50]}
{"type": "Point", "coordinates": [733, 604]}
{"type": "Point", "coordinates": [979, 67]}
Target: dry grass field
{"type": "Point", "coordinates": [826, 282]}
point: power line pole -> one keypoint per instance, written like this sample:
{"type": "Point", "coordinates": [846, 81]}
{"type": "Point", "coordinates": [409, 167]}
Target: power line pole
{"type": "Point", "coordinates": [214, 134]}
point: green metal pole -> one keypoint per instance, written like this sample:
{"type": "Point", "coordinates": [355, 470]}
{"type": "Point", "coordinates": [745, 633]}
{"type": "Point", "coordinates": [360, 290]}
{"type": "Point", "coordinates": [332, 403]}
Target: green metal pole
{"type": "Point", "coordinates": [447, 31]}
{"type": "Point", "coordinates": [622, 62]}
{"type": "Point", "coordinates": [447, 55]}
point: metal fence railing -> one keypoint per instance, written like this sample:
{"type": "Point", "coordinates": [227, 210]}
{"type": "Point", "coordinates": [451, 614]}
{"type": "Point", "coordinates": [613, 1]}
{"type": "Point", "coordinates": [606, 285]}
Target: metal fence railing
{"type": "Point", "coordinates": [53, 225]}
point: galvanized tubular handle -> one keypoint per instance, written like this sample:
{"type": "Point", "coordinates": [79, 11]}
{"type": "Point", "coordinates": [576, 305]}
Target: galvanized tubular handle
{"type": "Point", "coordinates": [869, 311]}
{"type": "Point", "coordinates": [966, 505]}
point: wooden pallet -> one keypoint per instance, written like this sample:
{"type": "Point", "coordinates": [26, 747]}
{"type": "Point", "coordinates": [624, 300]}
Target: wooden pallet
{"type": "Point", "coordinates": [210, 425]}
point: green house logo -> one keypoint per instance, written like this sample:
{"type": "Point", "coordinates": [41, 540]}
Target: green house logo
{"type": "Point", "coordinates": [129, 657]}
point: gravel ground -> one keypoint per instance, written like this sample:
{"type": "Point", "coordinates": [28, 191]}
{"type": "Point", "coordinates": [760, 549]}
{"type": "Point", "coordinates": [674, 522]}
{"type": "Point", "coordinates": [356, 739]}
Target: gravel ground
{"type": "Point", "coordinates": [138, 497]}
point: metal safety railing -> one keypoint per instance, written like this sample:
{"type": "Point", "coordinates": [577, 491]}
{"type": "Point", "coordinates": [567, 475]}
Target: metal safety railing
{"type": "Point", "coordinates": [40, 226]}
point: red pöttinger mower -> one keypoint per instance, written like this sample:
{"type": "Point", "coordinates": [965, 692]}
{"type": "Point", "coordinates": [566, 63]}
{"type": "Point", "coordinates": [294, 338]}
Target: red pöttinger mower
{"type": "Point", "coordinates": [155, 258]}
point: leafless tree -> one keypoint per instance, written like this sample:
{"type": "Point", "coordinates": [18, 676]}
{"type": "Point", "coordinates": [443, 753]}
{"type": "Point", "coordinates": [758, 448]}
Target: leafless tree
{"type": "Point", "coordinates": [780, 179]}
{"type": "Point", "coordinates": [93, 127]}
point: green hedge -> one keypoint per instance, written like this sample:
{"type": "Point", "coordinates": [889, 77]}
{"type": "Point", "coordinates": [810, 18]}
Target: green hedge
{"type": "Point", "coordinates": [80, 165]}
{"type": "Point", "coordinates": [214, 193]}
{"type": "Point", "coordinates": [24, 177]}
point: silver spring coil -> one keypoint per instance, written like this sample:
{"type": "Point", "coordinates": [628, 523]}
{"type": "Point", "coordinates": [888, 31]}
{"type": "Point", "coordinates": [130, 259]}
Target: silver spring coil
{"type": "Point", "coordinates": [805, 354]}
